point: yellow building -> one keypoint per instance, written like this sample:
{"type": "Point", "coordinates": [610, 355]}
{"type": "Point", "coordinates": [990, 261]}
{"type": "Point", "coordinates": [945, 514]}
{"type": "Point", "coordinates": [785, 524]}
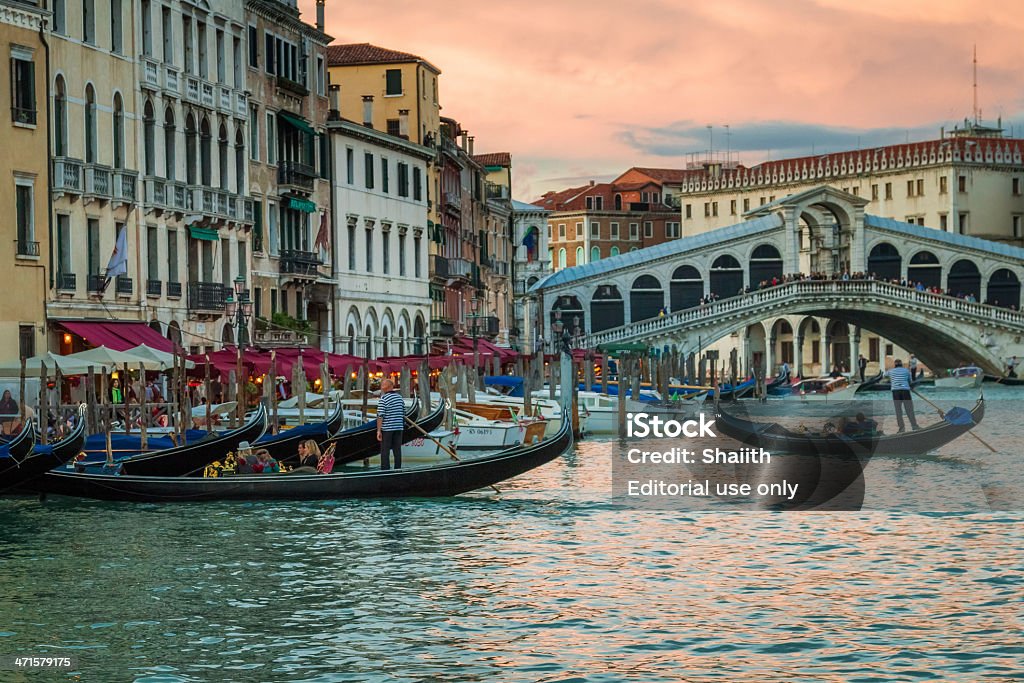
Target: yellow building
{"type": "Point", "coordinates": [24, 177]}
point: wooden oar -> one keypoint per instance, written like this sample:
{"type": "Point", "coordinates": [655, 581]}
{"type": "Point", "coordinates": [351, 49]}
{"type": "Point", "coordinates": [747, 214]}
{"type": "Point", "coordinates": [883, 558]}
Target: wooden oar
{"type": "Point", "coordinates": [443, 447]}
{"type": "Point", "coordinates": [943, 415]}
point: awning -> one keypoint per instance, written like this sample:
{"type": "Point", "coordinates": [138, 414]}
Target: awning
{"type": "Point", "coordinates": [201, 233]}
{"type": "Point", "coordinates": [301, 205]}
{"type": "Point", "coordinates": [297, 122]}
{"type": "Point", "coordinates": [119, 336]}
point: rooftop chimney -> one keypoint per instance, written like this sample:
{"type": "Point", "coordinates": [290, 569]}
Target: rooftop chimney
{"type": "Point", "coordinates": [320, 15]}
{"type": "Point", "coordinates": [463, 143]}
{"type": "Point", "coordinates": [334, 101]}
{"type": "Point", "coordinates": [368, 111]}
{"type": "Point", "coordinates": [469, 150]}
{"type": "Point", "coordinates": [403, 123]}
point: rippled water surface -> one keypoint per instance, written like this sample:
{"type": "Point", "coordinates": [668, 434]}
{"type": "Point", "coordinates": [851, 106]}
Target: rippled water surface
{"type": "Point", "coordinates": [550, 581]}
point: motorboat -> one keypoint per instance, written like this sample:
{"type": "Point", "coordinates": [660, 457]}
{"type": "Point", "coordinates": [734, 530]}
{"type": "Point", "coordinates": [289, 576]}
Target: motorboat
{"type": "Point", "coordinates": [967, 377]}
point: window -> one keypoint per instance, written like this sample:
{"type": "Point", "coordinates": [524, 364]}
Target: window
{"type": "Point", "coordinates": [707, 209]}
{"type": "Point", "coordinates": [614, 251]}
{"type": "Point", "coordinates": [590, 202]}
{"type": "Point", "coordinates": [648, 229]}
{"type": "Point", "coordinates": [634, 231]}
{"type": "Point", "coordinates": [577, 231]}
{"type": "Point", "coordinates": [943, 222]}
{"type": "Point", "coordinates": [172, 255]}
{"type": "Point", "coordinates": [910, 188]}
{"type": "Point", "coordinates": [149, 139]}
{"type": "Point", "coordinates": [368, 170]}
{"type": "Point", "coordinates": [732, 207]}
{"type": "Point", "coordinates": [943, 185]}
{"type": "Point", "coordinates": [270, 52]}
{"type": "Point", "coordinates": [689, 210]}
{"type": "Point", "coordinates": [63, 246]}
{"type": "Point", "coordinates": [888, 349]}
{"type": "Point", "coordinates": [93, 246]}
{"type": "Point", "coordinates": [60, 24]}
{"type": "Point", "coordinates": [321, 76]}
{"type": "Point", "coordinates": [746, 205]}
{"type": "Point", "coordinates": [874, 192]}
{"type": "Point", "coordinates": [1016, 225]}
{"type": "Point", "coordinates": [614, 231]}
{"type": "Point", "coordinates": [1016, 187]}
{"type": "Point", "coordinates": [116, 41]}
{"type": "Point", "coordinates": [236, 63]}
{"type": "Point", "coordinates": [350, 166]}
{"type": "Point", "coordinates": [369, 250]}
{"type": "Point", "coordinates": [403, 179]}
{"type": "Point", "coordinates": [417, 184]}
{"type": "Point", "coordinates": [961, 184]}
{"type": "Point", "coordinates": [561, 258]}
{"type": "Point", "coordinates": [401, 254]}
{"type": "Point", "coordinates": [352, 250]}
{"type": "Point", "coordinates": [962, 226]}
{"type": "Point", "coordinates": [579, 257]}
{"type": "Point", "coordinates": [385, 258]}
{"type": "Point", "coordinates": [272, 238]}
{"type": "Point", "coordinates": [254, 47]}
{"type": "Point", "coordinates": [25, 211]}
{"type": "Point", "coordinates": [90, 124]}
{"type": "Point", "coordinates": [561, 231]}
{"type": "Point", "coordinates": [384, 175]}
{"type": "Point", "coordinates": [271, 138]}
{"type": "Point", "coordinates": [273, 301]}
{"type": "Point", "coordinates": [920, 187]}
{"type": "Point", "coordinates": [152, 253]}
{"type": "Point", "coordinates": [763, 202]}
{"type": "Point", "coordinates": [417, 267]}
{"type": "Point", "coordinates": [714, 208]}
{"type": "Point", "coordinates": [888, 190]}
{"type": "Point", "coordinates": [394, 127]}
{"type": "Point", "coordinates": [254, 132]}
{"type": "Point", "coordinates": [201, 53]}
{"type": "Point", "coordinates": [599, 203]}
{"type": "Point", "coordinates": [873, 349]}
{"type": "Point", "coordinates": [23, 87]}
{"type": "Point", "coordinates": [221, 66]}
{"type": "Point", "coordinates": [88, 22]}
{"type": "Point", "coordinates": [118, 131]}
{"type": "Point", "coordinates": [394, 82]}
{"type": "Point", "coordinates": [26, 340]}
{"type": "Point", "coordinates": [672, 230]}
{"type": "Point", "coordinates": [186, 36]}
{"type": "Point", "coordinates": [595, 231]}
{"type": "Point", "coordinates": [643, 197]}
{"type": "Point", "coordinates": [595, 254]}
{"type": "Point", "coordinates": [168, 35]}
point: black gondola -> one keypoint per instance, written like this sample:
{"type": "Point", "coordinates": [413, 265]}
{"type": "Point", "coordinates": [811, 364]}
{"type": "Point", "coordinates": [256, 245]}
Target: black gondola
{"type": "Point", "coordinates": [449, 479]}
{"type": "Point", "coordinates": [776, 438]}
{"type": "Point", "coordinates": [870, 382]}
{"type": "Point", "coordinates": [361, 442]}
{"type": "Point", "coordinates": [1008, 381]}
{"type": "Point", "coordinates": [20, 444]}
{"type": "Point", "coordinates": [778, 381]}
{"type": "Point", "coordinates": [285, 444]}
{"type": "Point", "coordinates": [17, 472]}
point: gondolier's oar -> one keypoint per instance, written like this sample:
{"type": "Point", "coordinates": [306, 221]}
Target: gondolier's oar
{"type": "Point", "coordinates": [943, 414]}
{"type": "Point", "coordinates": [446, 449]}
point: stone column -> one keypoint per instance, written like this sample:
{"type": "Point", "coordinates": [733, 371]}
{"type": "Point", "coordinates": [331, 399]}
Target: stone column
{"type": "Point", "coordinates": [769, 357]}
{"type": "Point", "coordinates": [858, 255]}
{"type": "Point", "coordinates": [798, 355]}
{"type": "Point", "coordinates": [791, 257]}
{"type": "Point", "coordinates": [826, 354]}
{"type": "Point", "coordinates": [855, 352]}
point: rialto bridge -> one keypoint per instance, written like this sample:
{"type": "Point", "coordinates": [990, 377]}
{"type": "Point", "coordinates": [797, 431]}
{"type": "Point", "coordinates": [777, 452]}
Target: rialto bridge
{"type": "Point", "coordinates": [655, 295]}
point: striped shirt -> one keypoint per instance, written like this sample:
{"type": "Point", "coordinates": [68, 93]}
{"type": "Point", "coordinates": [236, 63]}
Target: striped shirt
{"type": "Point", "coordinates": [899, 378]}
{"type": "Point", "coordinates": [391, 412]}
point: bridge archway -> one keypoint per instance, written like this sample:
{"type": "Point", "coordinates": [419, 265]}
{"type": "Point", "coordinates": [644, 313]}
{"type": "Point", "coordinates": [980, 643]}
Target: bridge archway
{"type": "Point", "coordinates": [808, 338]}
{"type": "Point", "coordinates": [726, 276]}
{"type": "Point", "coordinates": [607, 309]}
{"type": "Point", "coordinates": [1004, 289]}
{"type": "Point", "coordinates": [686, 288]}
{"type": "Point", "coordinates": [885, 262]}
{"type": "Point", "coordinates": [782, 340]}
{"type": "Point", "coordinates": [569, 312]}
{"type": "Point", "coordinates": [757, 347]}
{"type": "Point", "coordinates": [964, 278]}
{"type": "Point", "coordinates": [765, 264]}
{"type": "Point", "coordinates": [837, 333]}
{"type": "Point", "coordinates": [646, 298]}
{"type": "Point", "coordinates": [924, 268]}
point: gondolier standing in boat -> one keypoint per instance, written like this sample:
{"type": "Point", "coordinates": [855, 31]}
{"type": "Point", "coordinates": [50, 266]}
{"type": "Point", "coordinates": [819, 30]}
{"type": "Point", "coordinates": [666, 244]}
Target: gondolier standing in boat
{"type": "Point", "coordinates": [390, 424]}
{"type": "Point", "coordinates": [913, 368]}
{"type": "Point", "coordinates": [899, 380]}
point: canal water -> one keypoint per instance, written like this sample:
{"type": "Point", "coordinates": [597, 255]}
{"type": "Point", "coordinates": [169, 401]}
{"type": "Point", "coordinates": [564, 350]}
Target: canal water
{"type": "Point", "coordinates": [552, 580]}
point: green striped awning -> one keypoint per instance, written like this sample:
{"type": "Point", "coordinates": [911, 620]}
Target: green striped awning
{"type": "Point", "coordinates": [297, 121]}
{"type": "Point", "coordinates": [301, 205]}
{"type": "Point", "coordinates": [200, 233]}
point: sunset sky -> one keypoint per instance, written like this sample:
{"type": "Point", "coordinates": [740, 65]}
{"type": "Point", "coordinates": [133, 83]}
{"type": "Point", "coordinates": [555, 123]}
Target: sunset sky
{"type": "Point", "coordinates": [584, 89]}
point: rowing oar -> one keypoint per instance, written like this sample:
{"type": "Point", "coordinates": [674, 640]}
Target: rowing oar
{"type": "Point", "coordinates": [943, 414]}
{"type": "Point", "coordinates": [446, 449]}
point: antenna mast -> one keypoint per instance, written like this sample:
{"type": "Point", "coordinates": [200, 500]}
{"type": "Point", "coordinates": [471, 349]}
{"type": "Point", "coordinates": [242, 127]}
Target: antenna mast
{"type": "Point", "coordinates": [976, 116]}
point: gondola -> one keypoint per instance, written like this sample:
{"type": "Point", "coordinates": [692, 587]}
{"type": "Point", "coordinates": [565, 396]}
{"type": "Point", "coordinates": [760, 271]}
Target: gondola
{"type": "Point", "coordinates": [870, 382]}
{"type": "Point", "coordinates": [777, 381]}
{"type": "Point", "coordinates": [20, 444]}
{"type": "Point", "coordinates": [449, 479]}
{"type": "Point", "coordinates": [776, 438]}
{"type": "Point", "coordinates": [17, 472]}
{"type": "Point", "coordinates": [361, 442]}
{"type": "Point", "coordinates": [1008, 381]}
{"type": "Point", "coordinates": [183, 460]}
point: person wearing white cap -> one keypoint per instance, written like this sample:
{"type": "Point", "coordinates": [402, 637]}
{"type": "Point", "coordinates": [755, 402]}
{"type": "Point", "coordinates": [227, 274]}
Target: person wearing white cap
{"type": "Point", "coordinates": [244, 458]}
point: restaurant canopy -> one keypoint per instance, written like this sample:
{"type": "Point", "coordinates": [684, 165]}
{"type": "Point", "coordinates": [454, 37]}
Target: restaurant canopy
{"type": "Point", "coordinates": [165, 358]}
{"type": "Point", "coordinates": [117, 335]}
{"type": "Point", "coordinates": [51, 361]}
{"type": "Point", "coordinates": [116, 359]}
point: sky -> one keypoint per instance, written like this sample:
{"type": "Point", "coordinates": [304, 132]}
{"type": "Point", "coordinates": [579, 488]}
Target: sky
{"type": "Point", "coordinates": [584, 89]}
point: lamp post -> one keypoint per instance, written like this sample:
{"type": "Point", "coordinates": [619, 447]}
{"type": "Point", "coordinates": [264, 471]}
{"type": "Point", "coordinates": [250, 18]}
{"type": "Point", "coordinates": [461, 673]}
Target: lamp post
{"type": "Point", "coordinates": [239, 307]}
{"type": "Point", "coordinates": [474, 305]}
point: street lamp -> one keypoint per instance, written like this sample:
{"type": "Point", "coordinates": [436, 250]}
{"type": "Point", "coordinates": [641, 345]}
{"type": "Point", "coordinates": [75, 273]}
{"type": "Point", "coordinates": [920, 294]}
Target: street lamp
{"type": "Point", "coordinates": [474, 305]}
{"type": "Point", "coordinates": [239, 307]}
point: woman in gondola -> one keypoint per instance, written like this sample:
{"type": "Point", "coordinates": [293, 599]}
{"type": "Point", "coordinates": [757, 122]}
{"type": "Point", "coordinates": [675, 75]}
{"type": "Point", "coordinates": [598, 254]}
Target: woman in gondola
{"type": "Point", "coordinates": [309, 457]}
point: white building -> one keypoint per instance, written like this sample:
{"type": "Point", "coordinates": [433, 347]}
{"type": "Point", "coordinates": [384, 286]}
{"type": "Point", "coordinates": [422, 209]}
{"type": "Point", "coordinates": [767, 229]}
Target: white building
{"type": "Point", "coordinates": [532, 262]}
{"type": "Point", "coordinates": [382, 300]}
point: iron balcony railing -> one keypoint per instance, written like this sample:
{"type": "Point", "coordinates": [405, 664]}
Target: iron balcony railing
{"type": "Point", "coordinates": [207, 296]}
{"type": "Point", "coordinates": [123, 285]}
{"type": "Point", "coordinates": [303, 263]}
{"type": "Point", "coordinates": [27, 247]}
{"type": "Point", "coordinates": [442, 327]}
{"type": "Point", "coordinates": [97, 283]}
{"type": "Point", "coordinates": [174, 290]}
{"type": "Point", "coordinates": [67, 282]}
{"type": "Point", "coordinates": [297, 175]}
{"type": "Point", "coordinates": [154, 287]}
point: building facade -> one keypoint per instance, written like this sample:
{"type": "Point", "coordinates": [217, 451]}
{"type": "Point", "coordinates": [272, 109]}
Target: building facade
{"type": "Point", "coordinates": [24, 170]}
{"type": "Point", "coordinates": [382, 306]}
{"type": "Point", "coordinates": [531, 263]}
{"type": "Point", "coordinates": [497, 247]}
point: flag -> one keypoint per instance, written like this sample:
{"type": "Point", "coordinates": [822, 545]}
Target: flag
{"type": "Point", "coordinates": [323, 237]}
{"type": "Point", "coordinates": [118, 264]}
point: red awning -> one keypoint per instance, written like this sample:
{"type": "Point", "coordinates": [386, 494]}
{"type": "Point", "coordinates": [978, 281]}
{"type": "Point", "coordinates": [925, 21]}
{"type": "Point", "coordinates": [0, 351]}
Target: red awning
{"type": "Point", "coordinates": [118, 336]}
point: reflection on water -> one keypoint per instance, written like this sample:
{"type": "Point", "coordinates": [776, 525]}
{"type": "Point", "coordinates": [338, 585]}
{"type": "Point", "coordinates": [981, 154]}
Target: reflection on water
{"type": "Point", "coordinates": [550, 581]}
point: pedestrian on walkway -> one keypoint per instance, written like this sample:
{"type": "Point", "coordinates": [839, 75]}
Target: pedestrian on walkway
{"type": "Point", "coordinates": [390, 424]}
{"type": "Point", "coordinates": [899, 381]}
{"type": "Point", "coordinates": [862, 365]}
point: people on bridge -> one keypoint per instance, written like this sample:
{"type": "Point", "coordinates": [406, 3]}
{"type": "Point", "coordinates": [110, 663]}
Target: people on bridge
{"type": "Point", "coordinates": [913, 368]}
{"type": "Point", "coordinates": [862, 365]}
{"type": "Point", "coordinates": [899, 381]}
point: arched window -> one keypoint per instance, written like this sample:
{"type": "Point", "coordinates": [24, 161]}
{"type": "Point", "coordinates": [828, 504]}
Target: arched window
{"type": "Point", "coordinates": [561, 258]}
{"type": "Point", "coordinates": [351, 340]}
{"type": "Point", "coordinates": [765, 265]}
{"type": "Point", "coordinates": [170, 143]}
{"type": "Point", "coordinates": [90, 124]}
{"type": "Point", "coordinates": [579, 256]}
{"type": "Point", "coordinates": [1004, 289]}
{"type": "Point", "coordinates": [646, 298]}
{"type": "Point", "coordinates": [924, 268]}
{"type": "Point", "coordinates": [239, 161]}
{"type": "Point", "coordinates": [118, 131]}
{"type": "Point", "coordinates": [205, 143]}
{"type": "Point", "coordinates": [964, 279]}
{"type": "Point", "coordinates": [618, 202]}
{"type": "Point", "coordinates": [606, 309]}
{"type": "Point", "coordinates": [222, 148]}
{"type": "Point", "coordinates": [686, 288]}
{"type": "Point", "coordinates": [726, 276]}
{"type": "Point", "coordinates": [60, 118]}
{"type": "Point", "coordinates": [614, 251]}
{"type": "Point", "coordinates": [149, 142]}
{"type": "Point", "coordinates": [885, 262]}
{"type": "Point", "coordinates": [190, 149]}
{"type": "Point", "coordinates": [595, 254]}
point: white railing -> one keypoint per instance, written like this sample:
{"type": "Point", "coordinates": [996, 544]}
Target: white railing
{"type": "Point", "coordinates": [803, 290]}
{"type": "Point", "coordinates": [171, 80]}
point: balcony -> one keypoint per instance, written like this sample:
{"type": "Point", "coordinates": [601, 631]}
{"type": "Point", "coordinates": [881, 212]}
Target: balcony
{"type": "Point", "coordinates": [500, 268]}
{"type": "Point", "coordinates": [295, 175]}
{"type": "Point", "coordinates": [225, 103]}
{"type": "Point", "coordinates": [124, 186]}
{"type": "Point", "coordinates": [453, 202]}
{"type": "Point", "coordinates": [496, 191]}
{"type": "Point", "coordinates": [438, 267]}
{"type": "Point", "coordinates": [154, 192]}
{"type": "Point", "coordinates": [172, 81]}
{"type": "Point", "coordinates": [97, 283]}
{"type": "Point", "coordinates": [23, 116]}
{"type": "Point", "coordinates": [241, 105]}
{"type": "Point", "coordinates": [150, 73]}
{"type": "Point", "coordinates": [519, 288]}
{"type": "Point", "coordinates": [67, 176]}
{"type": "Point", "coordinates": [123, 285]}
{"type": "Point", "coordinates": [173, 290]}
{"type": "Point", "coordinates": [97, 182]}
{"type": "Point", "coordinates": [154, 288]}
{"type": "Point", "coordinates": [304, 264]}
{"type": "Point", "coordinates": [274, 338]}
{"type": "Point", "coordinates": [460, 268]}
{"type": "Point", "coordinates": [203, 200]}
{"type": "Point", "coordinates": [442, 327]}
{"type": "Point", "coordinates": [485, 325]}
{"type": "Point", "coordinates": [27, 248]}
{"type": "Point", "coordinates": [206, 297]}
{"type": "Point", "coordinates": [67, 282]}
{"type": "Point", "coordinates": [291, 87]}
{"type": "Point", "coordinates": [248, 211]}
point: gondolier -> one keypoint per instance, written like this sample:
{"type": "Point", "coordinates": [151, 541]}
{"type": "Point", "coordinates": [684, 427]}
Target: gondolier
{"type": "Point", "coordinates": [899, 381]}
{"type": "Point", "coordinates": [390, 424]}
{"type": "Point", "coordinates": [862, 365]}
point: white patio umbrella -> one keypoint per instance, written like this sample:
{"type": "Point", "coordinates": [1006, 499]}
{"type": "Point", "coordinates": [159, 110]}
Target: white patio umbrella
{"type": "Point", "coordinates": [163, 357]}
{"type": "Point", "coordinates": [116, 359]}
{"type": "Point", "coordinates": [68, 365]}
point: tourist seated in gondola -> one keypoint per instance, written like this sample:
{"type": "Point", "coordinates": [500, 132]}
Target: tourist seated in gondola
{"type": "Point", "coordinates": [265, 463]}
{"type": "Point", "coordinates": [309, 457]}
{"type": "Point", "coordinates": [244, 459]}
{"type": "Point", "coordinates": [860, 426]}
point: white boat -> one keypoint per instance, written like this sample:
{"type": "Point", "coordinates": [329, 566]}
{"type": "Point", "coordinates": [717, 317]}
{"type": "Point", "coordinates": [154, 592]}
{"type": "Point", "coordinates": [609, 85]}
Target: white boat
{"type": "Point", "coordinates": [823, 389]}
{"type": "Point", "coordinates": [969, 377]}
{"type": "Point", "coordinates": [602, 412]}
{"type": "Point", "coordinates": [422, 450]}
